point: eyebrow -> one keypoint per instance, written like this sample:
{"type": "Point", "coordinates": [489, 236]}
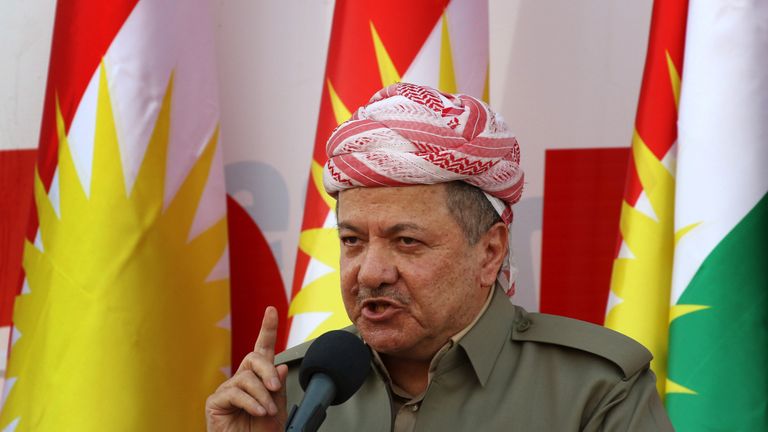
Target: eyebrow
{"type": "Point", "coordinates": [394, 229]}
{"type": "Point", "coordinates": [398, 228]}
{"type": "Point", "coordinates": [346, 226]}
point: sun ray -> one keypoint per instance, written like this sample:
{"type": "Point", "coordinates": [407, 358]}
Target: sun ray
{"type": "Point", "coordinates": [149, 186]}
{"type": "Point", "coordinates": [676, 311]}
{"type": "Point", "coordinates": [674, 78]}
{"type": "Point", "coordinates": [673, 387]}
{"type": "Point", "coordinates": [447, 81]}
{"type": "Point", "coordinates": [311, 238]}
{"type": "Point", "coordinates": [658, 183]}
{"type": "Point", "coordinates": [643, 282]}
{"type": "Point", "coordinates": [387, 69]}
{"type": "Point", "coordinates": [340, 111]}
{"type": "Point", "coordinates": [322, 295]}
{"type": "Point", "coordinates": [679, 234]}
{"type": "Point", "coordinates": [487, 85]}
{"type": "Point", "coordinates": [44, 209]}
{"type": "Point", "coordinates": [183, 206]}
{"type": "Point", "coordinates": [213, 238]}
{"type": "Point", "coordinates": [107, 176]}
{"type": "Point", "coordinates": [71, 193]}
{"type": "Point", "coordinates": [317, 181]}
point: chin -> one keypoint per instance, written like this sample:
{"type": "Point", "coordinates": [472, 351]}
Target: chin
{"type": "Point", "coordinates": [383, 340]}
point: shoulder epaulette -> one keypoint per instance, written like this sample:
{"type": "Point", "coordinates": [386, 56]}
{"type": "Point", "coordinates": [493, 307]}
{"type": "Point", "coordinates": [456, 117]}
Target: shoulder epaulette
{"type": "Point", "coordinates": [292, 354]}
{"type": "Point", "coordinates": [626, 353]}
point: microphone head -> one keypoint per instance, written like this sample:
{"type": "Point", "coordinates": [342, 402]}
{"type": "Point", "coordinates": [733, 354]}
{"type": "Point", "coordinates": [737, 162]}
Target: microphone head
{"type": "Point", "coordinates": [340, 355]}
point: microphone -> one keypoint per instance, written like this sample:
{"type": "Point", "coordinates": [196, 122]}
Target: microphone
{"type": "Point", "coordinates": [333, 369]}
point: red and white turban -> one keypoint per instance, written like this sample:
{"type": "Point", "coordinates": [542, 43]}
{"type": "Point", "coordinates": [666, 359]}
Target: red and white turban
{"type": "Point", "coordinates": [413, 135]}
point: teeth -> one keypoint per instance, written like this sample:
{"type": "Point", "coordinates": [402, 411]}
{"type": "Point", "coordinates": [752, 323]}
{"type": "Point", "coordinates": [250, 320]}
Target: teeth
{"type": "Point", "coordinates": [376, 307]}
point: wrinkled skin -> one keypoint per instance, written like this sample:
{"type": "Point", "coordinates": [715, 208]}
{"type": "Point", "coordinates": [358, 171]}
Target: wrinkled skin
{"type": "Point", "coordinates": [409, 278]}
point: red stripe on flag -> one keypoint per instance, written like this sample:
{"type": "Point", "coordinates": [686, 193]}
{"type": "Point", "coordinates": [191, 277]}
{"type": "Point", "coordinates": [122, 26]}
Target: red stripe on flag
{"type": "Point", "coordinates": [582, 196]}
{"type": "Point", "coordinates": [82, 32]}
{"type": "Point", "coordinates": [656, 107]}
{"type": "Point", "coordinates": [16, 179]}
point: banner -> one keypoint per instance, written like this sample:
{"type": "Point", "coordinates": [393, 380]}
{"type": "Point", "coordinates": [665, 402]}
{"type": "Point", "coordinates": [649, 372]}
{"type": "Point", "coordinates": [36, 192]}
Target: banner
{"type": "Point", "coordinates": [122, 322]}
{"type": "Point", "coordinates": [638, 303]}
{"type": "Point", "coordinates": [718, 347]}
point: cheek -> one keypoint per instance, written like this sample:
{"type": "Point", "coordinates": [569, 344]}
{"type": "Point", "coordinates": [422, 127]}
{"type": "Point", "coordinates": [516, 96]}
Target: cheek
{"type": "Point", "coordinates": [429, 285]}
{"type": "Point", "coordinates": [347, 272]}
{"type": "Point", "coordinates": [445, 290]}
{"type": "Point", "coordinates": [348, 276]}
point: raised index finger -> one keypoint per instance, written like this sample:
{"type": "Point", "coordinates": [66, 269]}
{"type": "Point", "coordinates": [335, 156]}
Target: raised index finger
{"type": "Point", "coordinates": [265, 343]}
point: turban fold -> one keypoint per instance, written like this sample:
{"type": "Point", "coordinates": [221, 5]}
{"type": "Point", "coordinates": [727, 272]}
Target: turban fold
{"type": "Point", "coordinates": [413, 135]}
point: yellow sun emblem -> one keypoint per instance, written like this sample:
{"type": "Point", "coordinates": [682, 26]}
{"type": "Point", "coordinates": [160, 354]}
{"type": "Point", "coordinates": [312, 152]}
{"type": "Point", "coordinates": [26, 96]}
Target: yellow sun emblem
{"type": "Point", "coordinates": [118, 330]}
{"type": "Point", "coordinates": [639, 304]}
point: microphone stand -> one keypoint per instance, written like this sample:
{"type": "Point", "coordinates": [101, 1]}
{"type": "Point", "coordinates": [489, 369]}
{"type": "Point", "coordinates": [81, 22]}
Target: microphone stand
{"type": "Point", "coordinates": [310, 415]}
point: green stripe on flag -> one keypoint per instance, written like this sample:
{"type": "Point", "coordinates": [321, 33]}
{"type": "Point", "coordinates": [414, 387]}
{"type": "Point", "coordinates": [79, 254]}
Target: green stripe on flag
{"type": "Point", "coordinates": [721, 353]}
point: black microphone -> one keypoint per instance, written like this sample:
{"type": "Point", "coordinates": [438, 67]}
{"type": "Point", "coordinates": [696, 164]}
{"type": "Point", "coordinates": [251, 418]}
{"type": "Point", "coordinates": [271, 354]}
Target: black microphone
{"type": "Point", "coordinates": [333, 369]}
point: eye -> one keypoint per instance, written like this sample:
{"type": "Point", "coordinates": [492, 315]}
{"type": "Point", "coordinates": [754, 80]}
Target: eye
{"type": "Point", "coordinates": [349, 240]}
{"type": "Point", "coordinates": [408, 241]}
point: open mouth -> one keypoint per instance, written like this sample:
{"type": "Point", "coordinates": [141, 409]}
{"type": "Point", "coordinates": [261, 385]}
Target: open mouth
{"type": "Point", "coordinates": [378, 308]}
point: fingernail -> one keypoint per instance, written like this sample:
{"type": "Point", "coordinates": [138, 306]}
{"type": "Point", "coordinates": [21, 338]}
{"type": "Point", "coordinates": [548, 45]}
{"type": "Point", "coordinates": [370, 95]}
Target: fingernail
{"type": "Point", "coordinates": [272, 409]}
{"type": "Point", "coordinates": [274, 383]}
{"type": "Point", "coordinates": [260, 411]}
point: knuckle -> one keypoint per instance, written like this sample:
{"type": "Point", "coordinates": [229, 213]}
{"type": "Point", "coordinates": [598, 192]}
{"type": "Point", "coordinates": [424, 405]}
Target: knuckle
{"type": "Point", "coordinates": [251, 357]}
{"type": "Point", "coordinates": [251, 360]}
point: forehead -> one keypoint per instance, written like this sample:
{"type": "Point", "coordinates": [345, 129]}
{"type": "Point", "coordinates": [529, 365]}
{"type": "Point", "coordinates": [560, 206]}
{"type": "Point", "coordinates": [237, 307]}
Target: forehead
{"type": "Point", "coordinates": [409, 202]}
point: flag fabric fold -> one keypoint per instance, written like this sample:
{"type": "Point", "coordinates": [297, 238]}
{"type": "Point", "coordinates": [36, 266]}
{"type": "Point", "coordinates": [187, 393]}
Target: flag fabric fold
{"type": "Point", "coordinates": [638, 302]}
{"type": "Point", "coordinates": [690, 280]}
{"type": "Point", "coordinates": [122, 323]}
{"type": "Point", "coordinates": [718, 347]}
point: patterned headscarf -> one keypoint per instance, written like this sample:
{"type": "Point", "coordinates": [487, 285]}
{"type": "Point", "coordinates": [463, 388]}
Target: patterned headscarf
{"type": "Point", "coordinates": [409, 134]}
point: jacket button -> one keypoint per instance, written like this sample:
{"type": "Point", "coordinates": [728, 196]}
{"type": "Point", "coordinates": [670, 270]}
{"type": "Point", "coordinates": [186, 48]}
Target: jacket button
{"type": "Point", "coordinates": [523, 325]}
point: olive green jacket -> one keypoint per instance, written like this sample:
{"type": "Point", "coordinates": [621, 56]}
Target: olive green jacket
{"type": "Point", "coordinates": [516, 371]}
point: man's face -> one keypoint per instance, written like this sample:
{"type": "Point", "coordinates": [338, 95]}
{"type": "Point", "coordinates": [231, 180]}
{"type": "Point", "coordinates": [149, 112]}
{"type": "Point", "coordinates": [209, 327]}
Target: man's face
{"type": "Point", "coordinates": [409, 278]}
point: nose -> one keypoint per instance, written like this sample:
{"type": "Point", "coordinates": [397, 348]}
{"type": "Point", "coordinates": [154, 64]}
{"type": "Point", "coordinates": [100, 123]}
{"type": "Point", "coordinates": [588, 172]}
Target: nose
{"type": "Point", "coordinates": [377, 268]}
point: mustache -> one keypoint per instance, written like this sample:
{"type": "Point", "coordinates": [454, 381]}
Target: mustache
{"type": "Point", "coordinates": [387, 292]}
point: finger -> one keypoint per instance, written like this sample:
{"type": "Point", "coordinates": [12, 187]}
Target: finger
{"type": "Point", "coordinates": [261, 368]}
{"type": "Point", "coordinates": [251, 384]}
{"type": "Point", "coordinates": [265, 343]}
{"type": "Point", "coordinates": [228, 400]}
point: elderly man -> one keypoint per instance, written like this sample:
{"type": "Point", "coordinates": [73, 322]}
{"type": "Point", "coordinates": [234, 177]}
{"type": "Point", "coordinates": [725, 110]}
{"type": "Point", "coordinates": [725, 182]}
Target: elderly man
{"type": "Point", "coordinates": [425, 182]}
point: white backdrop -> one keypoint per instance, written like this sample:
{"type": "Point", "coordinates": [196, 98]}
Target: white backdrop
{"type": "Point", "coordinates": [564, 74]}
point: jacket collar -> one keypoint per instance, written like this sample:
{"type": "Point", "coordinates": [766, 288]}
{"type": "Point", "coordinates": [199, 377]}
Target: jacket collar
{"type": "Point", "coordinates": [483, 343]}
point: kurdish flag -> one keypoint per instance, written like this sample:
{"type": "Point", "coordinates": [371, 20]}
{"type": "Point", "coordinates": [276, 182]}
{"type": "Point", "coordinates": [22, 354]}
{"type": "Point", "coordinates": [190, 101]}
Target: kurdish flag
{"type": "Point", "coordinates": [638, 303]}
{"type": "Point", "coordinates": [718, 345]}
{"type": "Point", "coordinates": [442, 44]}
{"type": "Point", "coordinates": [121, 323]}
{"type": "Point", "coordinates": [691, 277]}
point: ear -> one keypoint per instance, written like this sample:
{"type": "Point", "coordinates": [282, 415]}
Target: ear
{"type": "Point", "coordinates": [494, 244]}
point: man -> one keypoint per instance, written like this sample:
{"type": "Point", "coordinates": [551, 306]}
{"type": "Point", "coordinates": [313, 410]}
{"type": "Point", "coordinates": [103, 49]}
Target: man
{"type": "Point", "coordinates": [425, 182]}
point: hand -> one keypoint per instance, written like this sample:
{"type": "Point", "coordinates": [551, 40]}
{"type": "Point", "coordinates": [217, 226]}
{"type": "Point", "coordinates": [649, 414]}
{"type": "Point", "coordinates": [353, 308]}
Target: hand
{"type": "Point", "coordinates": [254, 398]}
